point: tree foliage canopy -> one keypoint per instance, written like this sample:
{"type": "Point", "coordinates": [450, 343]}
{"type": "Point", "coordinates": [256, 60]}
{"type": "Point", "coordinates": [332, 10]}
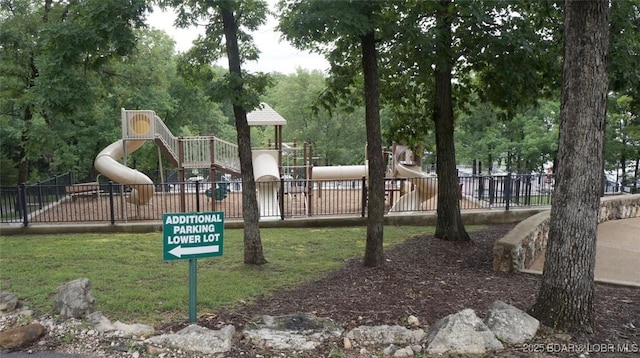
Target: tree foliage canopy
{"type": "Point", "coordinates": [66, 68]}
{"type": "Point", "coordinates": [50, 55]}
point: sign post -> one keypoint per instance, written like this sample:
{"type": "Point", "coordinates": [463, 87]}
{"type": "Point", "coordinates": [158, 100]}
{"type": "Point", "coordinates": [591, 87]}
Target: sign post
{"type": "Point", "coordinates": [193, 290]}
{"type": "Point", "coordinates": [192, 236]}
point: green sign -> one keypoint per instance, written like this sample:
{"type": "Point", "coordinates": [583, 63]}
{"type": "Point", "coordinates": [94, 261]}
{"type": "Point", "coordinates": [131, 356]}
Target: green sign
{"type": "Point", "coordinates": [192, 235]}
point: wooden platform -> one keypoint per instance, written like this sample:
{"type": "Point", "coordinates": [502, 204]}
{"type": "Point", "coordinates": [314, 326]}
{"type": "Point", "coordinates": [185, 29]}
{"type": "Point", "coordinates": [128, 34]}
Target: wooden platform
{"type": "Point", "coordinates": [91, 189]}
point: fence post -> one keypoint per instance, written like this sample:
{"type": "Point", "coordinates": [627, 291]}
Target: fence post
{"type": "Point", "coordinates": [364, 196]}
{"type": "Point", "coordinates": [516, 186]}
{"type": "Point", "coordinates": [22, 204]}
{"type": "Point", "coordinates": [507, 191]}
{"type": "Point", "coordinates": [112, 212]}
{"type": "Point", "coordinates": [57, 186]}
{"type": "Point", "coordinates": [40, 195]}
{"type": "Point", "coordinates": [198, 196]}
{"type": "Point", "coordinates": [492, 189]}
{"type": "Point", "coordinates": [527, 198]}
{"type": "Point", "coordinates": [281, 199]}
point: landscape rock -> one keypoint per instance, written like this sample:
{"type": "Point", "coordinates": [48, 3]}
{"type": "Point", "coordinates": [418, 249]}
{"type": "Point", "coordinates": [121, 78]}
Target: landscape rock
{"type": "Point", "coordinates": [198, 339]}
{"type": "Point", "coordinates": [135, 329]}
{"type": "Point", "coordinates": [403, 352]}
{"type": "Point", "coordinates": [21, 336]}
{"type": "Point", "coordinates": [100, 322]}
{"type": "Point", "coordinates": [74, 299]}
{"type": "Point", "coordinates": [103, 324]}
{"type": "Point", "coordinates": [382, 335]}
{"type": "Point", "coordinates": [301, 331]}
{"type": "Point", "coordinates": [391, 350]}
{"type": "Point", "coordinates": [8, 302]}
{"type": "Point", "coordinates": [462, 333]}
{"type": "Point", "coordinates": [510, 324]}
{"type": "Point", "coordinates": [413, 321]}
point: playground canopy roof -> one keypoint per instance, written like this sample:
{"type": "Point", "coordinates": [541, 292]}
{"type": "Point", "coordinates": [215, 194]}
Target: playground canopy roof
{"type": "Point", "coordinates": [265, 116]}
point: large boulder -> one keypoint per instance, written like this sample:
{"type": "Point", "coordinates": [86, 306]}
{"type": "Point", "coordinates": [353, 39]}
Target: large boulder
{"type": "Point", "coordinates": [20, 337]}
{"type": "Point", "coordinates": [198, 339]}
{"type": "Point", "coordinates": [74, 299]}
{"type": "Point", "coordinates": [461, 333]}
{"type": "Point", "coordinates": [510, 324]}
{"type": "Point", "coordinates": [301, 331]}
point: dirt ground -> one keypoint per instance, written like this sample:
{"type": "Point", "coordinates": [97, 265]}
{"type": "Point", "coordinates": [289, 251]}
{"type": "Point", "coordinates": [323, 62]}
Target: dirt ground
{"type": "Point", "coordinates": [97, 208]}
{"type": "Point", "coordinates": [429, 278]}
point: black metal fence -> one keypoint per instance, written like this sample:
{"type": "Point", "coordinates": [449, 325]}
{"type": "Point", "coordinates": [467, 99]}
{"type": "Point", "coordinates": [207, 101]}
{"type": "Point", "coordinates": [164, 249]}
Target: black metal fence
{"type": "Point", "coordinates": [17, 202]}
{"type": "Point", "coordinates": [60, 201]}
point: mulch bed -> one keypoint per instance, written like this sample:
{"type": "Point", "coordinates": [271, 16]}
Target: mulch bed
{"type": "Point", "coordinates": [430, 278]}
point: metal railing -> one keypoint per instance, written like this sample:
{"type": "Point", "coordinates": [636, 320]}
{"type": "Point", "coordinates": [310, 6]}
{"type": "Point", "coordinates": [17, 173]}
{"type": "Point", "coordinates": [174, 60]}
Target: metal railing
{"type": "Point", "coordinates": [50, 203]}
{"type": "Point", "coordinates": [14, 205]}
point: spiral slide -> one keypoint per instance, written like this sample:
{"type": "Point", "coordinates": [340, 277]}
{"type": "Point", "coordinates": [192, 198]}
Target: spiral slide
{"type": "Point", "coordinates": [265, 171]}
{"type": "Point", "coordinates": [426, 185]}
{"type": "Point", "coordinates": [140, 125]}
{"type": "Point", "coordinates": [107, 163]}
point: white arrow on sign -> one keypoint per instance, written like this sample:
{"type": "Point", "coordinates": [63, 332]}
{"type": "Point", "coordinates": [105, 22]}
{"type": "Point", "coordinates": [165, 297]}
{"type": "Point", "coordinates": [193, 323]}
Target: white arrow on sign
{"type": "Point", "coordinates": [178, 251]}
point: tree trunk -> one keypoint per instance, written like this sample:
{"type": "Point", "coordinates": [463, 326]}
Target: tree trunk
{"type": "Point", "coordinates": [373, 255]}
{"type": "Point", "coordinates": [23, 164]}
{"type": "Point", "coordinates": [565, 300]}
{"type": "Point", "coordinates": [24, 160]}
{"type": "Point", "coordinates": [252, 243]}
{"type": "Point", "coordinates": [449, 224]}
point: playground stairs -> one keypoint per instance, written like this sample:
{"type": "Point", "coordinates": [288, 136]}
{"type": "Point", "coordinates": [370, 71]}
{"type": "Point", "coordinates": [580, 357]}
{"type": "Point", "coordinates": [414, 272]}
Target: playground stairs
{"type": "Point", "coordinates": [183, 152]}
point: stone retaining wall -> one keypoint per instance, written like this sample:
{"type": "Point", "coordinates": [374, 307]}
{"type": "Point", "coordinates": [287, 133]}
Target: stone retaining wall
{"type": "Point", "coordinates": [521, 246]}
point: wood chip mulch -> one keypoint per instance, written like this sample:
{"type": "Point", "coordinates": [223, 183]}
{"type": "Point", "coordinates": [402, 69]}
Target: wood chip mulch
{"type": "Point", "coordinates": [429, 279]}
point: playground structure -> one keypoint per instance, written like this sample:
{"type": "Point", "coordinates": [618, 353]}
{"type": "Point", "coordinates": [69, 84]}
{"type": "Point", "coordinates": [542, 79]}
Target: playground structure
{"type": "Point", "coordinates": [415, 187]}
{"type": "Point", "coordinates": [265, 170]}
{"type": "Point", "coordinates": [424, 186]}
{"type": "Point", "coordinates": [139, 126]}
{"type": "Point", "coordinates": [215, 154]}
{"type": "Point", "coordinates": [106, 163]}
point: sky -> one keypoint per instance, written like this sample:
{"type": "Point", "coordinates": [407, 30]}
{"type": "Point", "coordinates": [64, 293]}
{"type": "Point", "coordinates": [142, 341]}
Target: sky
{"type": "Point", "coordinates": [276, 55]}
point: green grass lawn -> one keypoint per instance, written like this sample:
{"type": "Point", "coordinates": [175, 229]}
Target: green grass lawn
{"type": "Point", "coordinates": [132, 283]}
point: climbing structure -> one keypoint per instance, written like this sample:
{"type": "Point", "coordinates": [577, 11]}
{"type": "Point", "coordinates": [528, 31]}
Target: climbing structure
{"type": "Point", "coordinates": [210, 152]}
